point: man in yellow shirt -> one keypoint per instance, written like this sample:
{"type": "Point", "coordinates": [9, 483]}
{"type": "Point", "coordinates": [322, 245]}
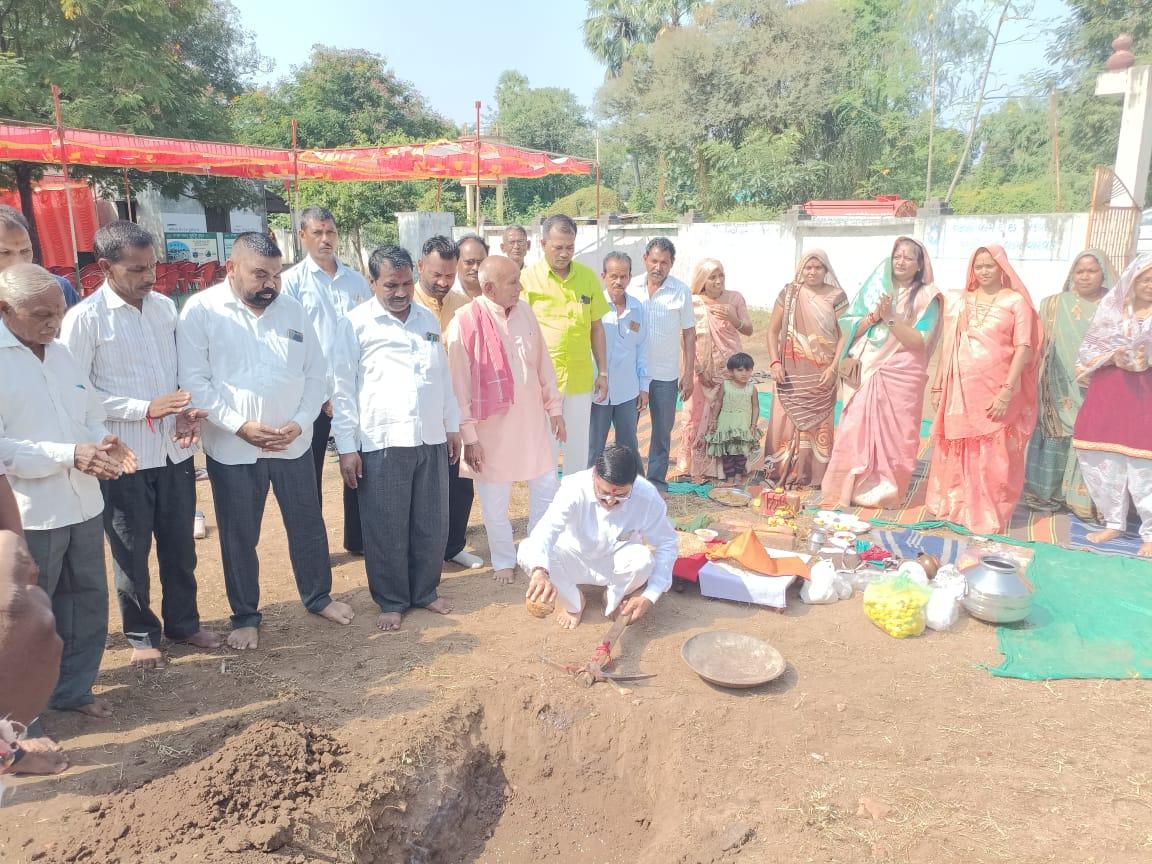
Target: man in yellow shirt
{"type": "Point", "coordinates": [569, 303]}
{"type": "Point", "coordinates": [439, 258]}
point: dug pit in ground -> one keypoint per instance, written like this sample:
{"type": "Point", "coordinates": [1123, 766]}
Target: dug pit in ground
{"type": "Point", "coordinates": [506, 777]}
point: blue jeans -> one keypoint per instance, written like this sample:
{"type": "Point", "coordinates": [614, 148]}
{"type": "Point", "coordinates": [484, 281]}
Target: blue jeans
{"type": "Point", "coordinates": [622, 417]}
{"type": "Point", "coordinates": [662, 397]}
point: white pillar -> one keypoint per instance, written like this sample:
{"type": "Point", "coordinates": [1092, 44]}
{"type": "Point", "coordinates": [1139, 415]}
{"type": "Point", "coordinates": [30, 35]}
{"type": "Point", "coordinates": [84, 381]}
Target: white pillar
{"type": "Point", "coordinates": [1135, 148]}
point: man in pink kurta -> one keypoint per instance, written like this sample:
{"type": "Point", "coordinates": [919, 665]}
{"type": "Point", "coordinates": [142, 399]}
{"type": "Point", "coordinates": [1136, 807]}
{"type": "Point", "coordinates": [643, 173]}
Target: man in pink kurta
{"type": "Point", "coordinates": [510, 407]}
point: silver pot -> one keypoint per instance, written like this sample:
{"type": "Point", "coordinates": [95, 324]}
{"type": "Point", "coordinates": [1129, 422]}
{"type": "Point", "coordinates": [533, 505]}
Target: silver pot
{"type": "Point", "coordinates": [997, 592]}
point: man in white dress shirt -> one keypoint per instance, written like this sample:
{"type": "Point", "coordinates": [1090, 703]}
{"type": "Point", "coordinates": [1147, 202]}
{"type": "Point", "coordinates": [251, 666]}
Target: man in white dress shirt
{"type": "Point", "coordinates": [55, 447]}
{"type": "Point", "coordinates": [473, 251]}
{"type": "Point", "coordinates": [123, 337]}
{"type": "Point", "coordinates": [328, 289]}
{"type": "Point", "coordinates": [671, 348]}
{"type": "Point", "coordinates": [250, 358]}
{"type": "Point", "coordinates": [597, 532]}
{"type": "Point", "coordinates": [397, 428]}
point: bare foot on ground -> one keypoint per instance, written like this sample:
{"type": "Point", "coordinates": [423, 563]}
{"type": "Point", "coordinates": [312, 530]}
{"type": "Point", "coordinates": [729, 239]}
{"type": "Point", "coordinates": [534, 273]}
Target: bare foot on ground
{"type": "Point", "coordinates": [244, 638]}
{"type": "Point", "coordinates": [1104, 536]}
{"type": "Point", "coordinates": [40, 762]}
{"type": "Point", "coordinates": [1145, 550]}
{"type": "Point", "coordinates": [568, 620]}
{"type": "Point", "coordinates": [203, 639]}
{"type": "Point", "coordinates": [389, 622]}
{"type": "Point", "coordinates": [147, 658]}
{"type": "Point", "coordinates": [440, 606]}
{"type": "Point", "coordinates": [97, 708]}
{"type": "Point", "coordinates": [505, 577]}
{"type": "Point", "coordinates": [340, 613]}
{"type": "Point", "coordinates": [41, 745]}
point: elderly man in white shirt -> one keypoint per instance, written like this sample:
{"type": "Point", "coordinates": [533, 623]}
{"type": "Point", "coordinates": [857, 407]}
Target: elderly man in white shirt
{"type": "Point", "coordinates": [56, 449]}
{"type": "Point", "coordinates": [328, 289]}
{"type": "Point", "coordinates": [123, 337]}
{"type": "Point", "coordinates": [597, 532]}
{"type": "Point", "coordinates": [397, 428]}
{"type": "Point", "coordinates": [671, 348]}
{"type": "Point", "coordinates": [250, 358]}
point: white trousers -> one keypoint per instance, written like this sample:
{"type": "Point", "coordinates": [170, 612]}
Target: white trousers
{"type": "Point", "coordinates": [494, 500]}
{"type": "Point", "coordinates": [1111, 479]}
{"type": "Point", "coordinates": [621, 573]}
{"type": "Point", "coordinates": [577, 419]}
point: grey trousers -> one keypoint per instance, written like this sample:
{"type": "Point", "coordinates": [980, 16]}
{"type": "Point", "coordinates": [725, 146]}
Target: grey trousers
{"type": "Point", "coordinates": [71, 562]}
{"type": "Point", "coordinates": [161, 502]}
{"type": "Point", "coordinates": [404, 515]}
{"type": "Point", "coordinates": [662, 408]}
{"type": "Point", "coordinates": [623, 418]}
{"type": "Point", "coordinates": [240, 492]}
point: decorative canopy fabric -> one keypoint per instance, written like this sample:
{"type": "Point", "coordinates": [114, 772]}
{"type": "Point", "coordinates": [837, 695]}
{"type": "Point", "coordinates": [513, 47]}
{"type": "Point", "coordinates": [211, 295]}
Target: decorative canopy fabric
{"type": "Point", "coordinates": [432, 161]}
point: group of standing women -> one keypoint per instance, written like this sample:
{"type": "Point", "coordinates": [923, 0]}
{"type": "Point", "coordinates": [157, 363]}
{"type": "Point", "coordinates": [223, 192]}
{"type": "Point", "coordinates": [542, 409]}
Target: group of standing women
{"type": "Point", "coordinates": [1051, 405]}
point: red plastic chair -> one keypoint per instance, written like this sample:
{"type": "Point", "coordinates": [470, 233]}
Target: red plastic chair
{"type": "Point", "coordinates": [186, 270]}
{"type": "Point", "coordinates": [89, 282]}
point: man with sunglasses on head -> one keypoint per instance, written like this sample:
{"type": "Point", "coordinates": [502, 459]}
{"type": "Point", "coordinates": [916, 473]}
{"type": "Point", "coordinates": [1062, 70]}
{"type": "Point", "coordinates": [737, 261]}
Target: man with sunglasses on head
{"type": "Point", "coordinates": [607, 526]}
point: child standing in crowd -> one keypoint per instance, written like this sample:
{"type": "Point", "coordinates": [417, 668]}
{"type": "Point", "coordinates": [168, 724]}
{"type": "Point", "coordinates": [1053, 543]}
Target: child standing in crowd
{"type": "Point", "coordinates": [732, 436]}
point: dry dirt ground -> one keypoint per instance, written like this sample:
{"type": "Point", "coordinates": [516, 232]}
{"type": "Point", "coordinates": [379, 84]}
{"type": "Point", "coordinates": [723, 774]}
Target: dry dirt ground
{"type": "Point", "coordinates": [451, 742]}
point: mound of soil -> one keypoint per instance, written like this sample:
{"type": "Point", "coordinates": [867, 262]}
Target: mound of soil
{"type": "Point", "coordinates": [246, 795]}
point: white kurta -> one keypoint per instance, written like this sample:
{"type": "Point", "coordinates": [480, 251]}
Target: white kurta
{"type": "Point", "coordinates": [581, 542]}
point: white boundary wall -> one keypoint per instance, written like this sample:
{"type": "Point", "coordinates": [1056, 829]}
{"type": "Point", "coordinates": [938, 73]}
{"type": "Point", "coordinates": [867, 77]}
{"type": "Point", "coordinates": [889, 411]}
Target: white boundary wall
{"type": "Point", "coordinates": [760, 257]}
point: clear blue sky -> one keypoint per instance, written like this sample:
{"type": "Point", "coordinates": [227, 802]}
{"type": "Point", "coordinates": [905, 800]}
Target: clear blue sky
{"type": "Point", "coordinates": [453, 51]}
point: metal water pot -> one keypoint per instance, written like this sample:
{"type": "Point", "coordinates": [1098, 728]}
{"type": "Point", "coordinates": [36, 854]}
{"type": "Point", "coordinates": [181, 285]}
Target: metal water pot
{"type": "Point", "coordinates": [997, 591]}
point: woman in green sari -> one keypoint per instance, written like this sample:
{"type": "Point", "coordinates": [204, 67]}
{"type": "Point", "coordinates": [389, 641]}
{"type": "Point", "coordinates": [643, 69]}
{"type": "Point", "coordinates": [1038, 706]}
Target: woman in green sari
{"type": "Point", "coordinates": [1052, 478]}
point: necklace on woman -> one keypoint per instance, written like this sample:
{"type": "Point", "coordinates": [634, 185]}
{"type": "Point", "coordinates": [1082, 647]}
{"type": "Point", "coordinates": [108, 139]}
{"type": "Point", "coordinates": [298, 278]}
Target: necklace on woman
{"type": "Point", "coordinates": [980, 319]}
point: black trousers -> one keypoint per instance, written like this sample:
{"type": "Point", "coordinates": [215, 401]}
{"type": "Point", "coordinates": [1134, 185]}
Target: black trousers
{"type": "Point", "coordinates": [404, 503]}
{"type": "Point", "coordinates": [240, 493]}
{"type": "Point", "coordinates": [460, 494]}
{"type": "Point", "coordinates": [321, 432]}
{"type": "Point", "coordinates": [160, 503]}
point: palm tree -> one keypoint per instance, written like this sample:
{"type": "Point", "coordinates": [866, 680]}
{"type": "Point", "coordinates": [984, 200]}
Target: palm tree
{"type": "Point", "coordinates": [614, 29]}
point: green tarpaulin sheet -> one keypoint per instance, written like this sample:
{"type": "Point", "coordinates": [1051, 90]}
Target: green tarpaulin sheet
{"type": "Point", "coordinates": [1091, 618]}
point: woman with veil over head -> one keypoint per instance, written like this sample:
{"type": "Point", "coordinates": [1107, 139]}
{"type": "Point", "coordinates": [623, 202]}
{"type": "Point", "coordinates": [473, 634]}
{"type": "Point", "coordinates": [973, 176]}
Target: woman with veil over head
{"type": "Point", "coordinates": [1113, 433]}
{"type": "Point", "coordinates": [890, 331]}
{"type": "Point", "coordinates": [1052, 477]}
{"type": "Point", "coordinates": [804, 341]}
{"type": "Point", "coordinates": [985, 397]}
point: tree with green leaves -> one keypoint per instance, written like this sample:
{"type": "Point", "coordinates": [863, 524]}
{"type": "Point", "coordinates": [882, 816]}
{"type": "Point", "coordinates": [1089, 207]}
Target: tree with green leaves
{"type": "Point", "coordinates": [344, 98]}
{"type": "Point", "coordinates": [149, 67]}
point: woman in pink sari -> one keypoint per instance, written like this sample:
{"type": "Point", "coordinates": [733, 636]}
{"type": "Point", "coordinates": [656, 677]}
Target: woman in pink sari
{"type": "Point", "coordinates": [721, 319]}
{"type": "Point", "coordinates": [804, 340]}
{"type": "Point", "coordinates": [891, 332]}
{"type": "Point", "coordinates": [986, 397]}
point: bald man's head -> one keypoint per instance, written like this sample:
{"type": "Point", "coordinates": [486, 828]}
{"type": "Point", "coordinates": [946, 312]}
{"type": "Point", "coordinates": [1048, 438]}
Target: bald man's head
{"type": "Point", "coordinates": [500, 280]}
{"type": "Point", "coordinates": [31, 304]}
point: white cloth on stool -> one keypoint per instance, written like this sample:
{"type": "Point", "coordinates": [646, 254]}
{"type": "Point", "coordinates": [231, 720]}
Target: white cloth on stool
{"type": "Point", "coordinates": [624, 571]}
{"type": "Point", "coordinates": [1110, 479]}
{"type": "Point", "coordinates": [494, 501]}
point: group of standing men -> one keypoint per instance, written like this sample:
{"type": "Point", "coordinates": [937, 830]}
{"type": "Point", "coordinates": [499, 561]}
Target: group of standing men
{"type": "Point", "coordinates": [469, 384]}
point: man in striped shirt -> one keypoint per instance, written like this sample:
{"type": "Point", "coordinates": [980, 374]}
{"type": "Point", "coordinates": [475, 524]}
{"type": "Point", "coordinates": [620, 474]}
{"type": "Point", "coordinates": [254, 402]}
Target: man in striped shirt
{"type": "Point", "coordinates": [123, 336]}
{"type": "Point", "coordinates": [671, 348]}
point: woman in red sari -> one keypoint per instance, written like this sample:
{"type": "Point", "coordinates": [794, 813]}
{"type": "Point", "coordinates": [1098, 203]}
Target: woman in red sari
{"type": "Point", "coordinates": [985, 397]}
{"type": "Point", "coordinates": [721, 320]}
{"type": "Point", "coordinates": [804, 342]}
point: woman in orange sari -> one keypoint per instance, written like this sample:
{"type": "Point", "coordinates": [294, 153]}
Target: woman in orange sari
{"type": "Point", "coordinates": [721, 319]}
{"type": "Point", "coordinates": [804, 340]}
{"type": "Point", "coordinates": [985, 397]}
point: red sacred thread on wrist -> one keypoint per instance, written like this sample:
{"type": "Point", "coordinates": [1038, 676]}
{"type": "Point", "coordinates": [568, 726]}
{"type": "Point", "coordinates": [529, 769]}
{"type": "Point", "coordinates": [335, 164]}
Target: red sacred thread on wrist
{"type": "Point", "coordinates": [148, 419]}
